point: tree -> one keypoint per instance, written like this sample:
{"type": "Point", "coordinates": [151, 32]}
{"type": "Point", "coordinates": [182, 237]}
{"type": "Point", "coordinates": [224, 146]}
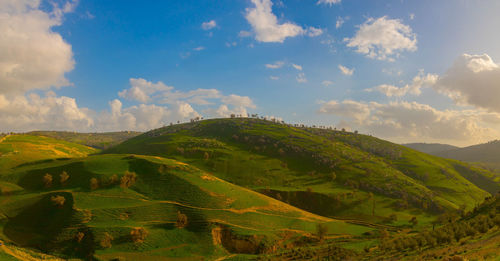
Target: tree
{"type": "Point", "coordinates": [79, 237]}
{"type": "Point", "coordinates": [138, 234]}
{"type": "Point", "coordinates": [206, 156]}
{"type": "Point", "coordinates": [333, 176]}
{"type": "Point", "coordinates": [47, 180]}
{"type": "Point", "coordinates": [94, 184]}
{"type": "Point", "coordinates": [321, 231]}
{"type": "Point", "coordinates": [414, 221]}
{"type": "Point", "coordinates": [63, 178]}
{"type": "Point", "coordinates": [106, 240]}
{"type": "Point", "coordinates": [113, 179]}
{"type": "Point", "coordinates": [128, 180]}
{"type": "Point", "coordinates": [182, 220]}
{"type": "Point", "coordinates": [58, 200]}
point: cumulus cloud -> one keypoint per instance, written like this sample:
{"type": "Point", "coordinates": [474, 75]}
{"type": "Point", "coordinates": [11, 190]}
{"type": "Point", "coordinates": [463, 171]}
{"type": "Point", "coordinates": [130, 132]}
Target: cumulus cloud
{"type": "Point", "coordinates": [340, 21]}
{"type": "Point", "coordinates": [20, 113]}
{"type": "Point", "coordinates": [141, 90]}
{"type": "Point", "coordinates": [301, 78]}
{"type": "Point", "coordinates": [275, 65]}
{"type": "Point", "coordinates": [346, 71]}
{"type": "Point", "coordinates": [472, 80]}
{"type": "Point", "coordinates": [208, 25]}
{"type": "Point", "coordinates": [297, 67]}
{"type": "Point", "coordinates": [420, 81]}
{"type": "Point", "coordinates": [414, 121]}
{"type": "Point", "coordinates": [383, 38]}
{"type": "Point", "coordinates": [329, 2]}
{"type": "Point", "coordinates": [326, 83]}
{"type": "Point", "coordinates": [267, 28]}
{"type": "Point", "coordinates": [32, 55]}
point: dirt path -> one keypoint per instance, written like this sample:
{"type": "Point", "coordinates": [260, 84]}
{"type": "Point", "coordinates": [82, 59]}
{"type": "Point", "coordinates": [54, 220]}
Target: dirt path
{"type": "Point", "coordinates": [3, 138]}
{"type": "Point", "coordinates": [24, 256]}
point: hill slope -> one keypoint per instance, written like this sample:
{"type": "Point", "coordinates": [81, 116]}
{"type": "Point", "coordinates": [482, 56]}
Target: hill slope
{"type": "Point", "coordinates": [331, 173]}
{"type": "Point", "coordinates": [22, 149]}
{"type": "Point", "coordinates": [96, 140]}
{"type": "Point", "coordinates": [98, 217]}
{"type": "Point", "coordinates": [430, 148]}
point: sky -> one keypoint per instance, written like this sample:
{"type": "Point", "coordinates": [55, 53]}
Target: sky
{"type": "Point", "coordinates": [405, 71]}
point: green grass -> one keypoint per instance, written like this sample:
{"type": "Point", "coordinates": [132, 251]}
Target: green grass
{"type": "Point", "coordinates": [263, 155]}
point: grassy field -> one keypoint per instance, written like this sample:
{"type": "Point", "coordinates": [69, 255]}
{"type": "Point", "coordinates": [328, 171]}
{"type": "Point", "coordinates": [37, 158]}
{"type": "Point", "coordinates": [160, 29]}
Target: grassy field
{"type": "Point", "coordinates": [96, 140]}
{"type": "Point", "coordinates": [331, 173]}
{"type": "Point", "coordinates": [234, 189]}
{"type": "Point", "coordinates": [221, 216]}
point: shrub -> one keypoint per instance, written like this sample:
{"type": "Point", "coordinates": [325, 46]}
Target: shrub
{"type": "Point", "coordinates": [138, 234]}
{"type": "Point", "coordinates": [182, 220]}
{"type": "Point", "coordinates": [321, 231]}
{"type": "Point", "coordinates": [58, 200]}
{"type": "Point", "coordinates": [79, 237]}
{"type": "Point", "coordinates": [106, 240]}
{"type": "Point", "coordinates": [128, 180]}
{"type": "Point", "coordinates": [94, 184]}
{"type": "Point", "coordinates": [47, 180]}
{"type": "Point", "coordinates": [63, 178]}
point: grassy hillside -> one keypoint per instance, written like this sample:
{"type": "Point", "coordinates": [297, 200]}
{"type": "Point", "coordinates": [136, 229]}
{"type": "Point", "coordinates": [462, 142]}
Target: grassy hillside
{"type": "Point", "coordinates": [102, 140]}
{"type": "Point", "coordinates": [331, 173]}
{"type": "Point", "coordinates": [22, 149]}
{"type": "Point", "coordinates": [103, 202]}
{"type": "Point", "coordinates": [430, 148]}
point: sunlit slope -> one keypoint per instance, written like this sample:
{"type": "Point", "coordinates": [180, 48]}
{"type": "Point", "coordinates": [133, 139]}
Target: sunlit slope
{"type": "Point", "coordinates": [21, 149]}
{"type": "Point", "coordinates": [222, 218]}
{"type": "Point", "coordinates": [99, 140]}
{"type": "Point", "coordinates": [343, 173]}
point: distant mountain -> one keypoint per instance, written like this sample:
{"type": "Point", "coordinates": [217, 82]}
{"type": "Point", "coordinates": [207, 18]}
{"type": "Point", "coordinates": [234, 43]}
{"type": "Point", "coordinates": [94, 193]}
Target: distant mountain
{"type": "Point", "coordinates": [430, 148]}
{"type": "Point", "coordinates": [486, 154]}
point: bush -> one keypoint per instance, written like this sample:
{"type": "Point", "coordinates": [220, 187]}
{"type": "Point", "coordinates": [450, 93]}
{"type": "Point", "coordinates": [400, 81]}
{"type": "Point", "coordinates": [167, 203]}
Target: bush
{"type": "Point", "coordinates": [106, 240]}
{"type": "Point", "coordinates": [128, 180]}
{"type": "Point", "coordinates": [182, 220]}
{"type": "Point", "coordinates": [63, 178]}
{"type": "Point", "coordinates": [58, 200]}
{"type": "Point", "coordinates": [321, 231]}
{"type": "Point", "coordinates": [94, 184]}
{"type": "Point", "coordinates": [138, 234]}
{"type": "Point", "coordinates": [47, 180]}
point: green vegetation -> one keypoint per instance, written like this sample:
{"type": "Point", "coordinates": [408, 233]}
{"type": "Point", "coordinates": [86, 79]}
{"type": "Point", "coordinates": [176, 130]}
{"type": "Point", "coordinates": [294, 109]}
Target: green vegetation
{"type": "Point", "coordinates": [96, 140]}
{"type": "Point", "coordinates": [241, 189]}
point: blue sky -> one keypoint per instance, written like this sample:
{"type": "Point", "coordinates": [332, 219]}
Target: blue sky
{"type": "Point", "coordinates": [121, 65]}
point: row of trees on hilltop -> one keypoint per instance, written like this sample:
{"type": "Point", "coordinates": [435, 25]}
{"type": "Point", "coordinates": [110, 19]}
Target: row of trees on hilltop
{"type": "Point", "coordinates": [125, 181]}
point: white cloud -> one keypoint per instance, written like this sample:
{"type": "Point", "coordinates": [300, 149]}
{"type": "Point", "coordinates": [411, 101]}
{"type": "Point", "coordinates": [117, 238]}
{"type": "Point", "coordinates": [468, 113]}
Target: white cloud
{"type": "Point", "coordinates": [274, 78]}
{"type": "Point", "coordinates": [406, 121]}
{"type": "Point", "coordinates": [267, 28]}
{"type": "Point", "coordinates": [208, 25]}
{"type": "Point", "coordinates": [327, 83]}
{"type": "Point", "coordinates": [313, 32]}
{"type": "Point", "coordinates": [32, 112]}
{"type": "Point", "coordinates": [418, 82]}
{"type": "Point", "coordinates": [472, 80]}
{"type": "Point", "coordinates": [412, 16]}
{"type": "Point", "coordinates": [199, 48]}
{"type": "Point", "coordinates": [32, 55]}
{"type": "Point", "coordinates": [141, 90]}
{"type": "Point", "coordinates": [340, 21]}
{"type": "Point", "coordinates": [346, 71]}
{"type": "Point", "coordinates": [329, 2]}
{"type": "Point", "coordinates": [297, 67]}
{"type": "Point", "coordinates": [276, 65]}
{"type": "Point", "coordinates": [383, 38]}
{"type": "Point", "coordinates": [301, 78]}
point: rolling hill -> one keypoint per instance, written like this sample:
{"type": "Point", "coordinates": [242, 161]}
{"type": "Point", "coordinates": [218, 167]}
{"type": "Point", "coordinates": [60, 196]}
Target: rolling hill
{"type": "Point", "coordinates": [222, 218]}
{"type": "Point", "coordinates": [331, 173]}
{"type": "Point", "coordinates": [102, 140]}
{"type": "Point", "coordinates": [430, 148]}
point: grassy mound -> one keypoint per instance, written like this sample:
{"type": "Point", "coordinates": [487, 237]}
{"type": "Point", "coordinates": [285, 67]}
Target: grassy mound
{"type": "Point", "coordinates": [107, 197]}
{"type": "Point", "coordinates": [370, 178]}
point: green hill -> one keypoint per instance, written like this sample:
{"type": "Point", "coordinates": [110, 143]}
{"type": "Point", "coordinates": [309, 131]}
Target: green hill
{"type": "Point", "coordinates": [430, 148]}
{"type": "Point", "coordinates": [100, 140]}
{"type": "Point", "coordinates": [330, 173]}
{"type": "Point", "coordinates": [222, 218]}
{"type": "Point", "coordinates": [22, 149]}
